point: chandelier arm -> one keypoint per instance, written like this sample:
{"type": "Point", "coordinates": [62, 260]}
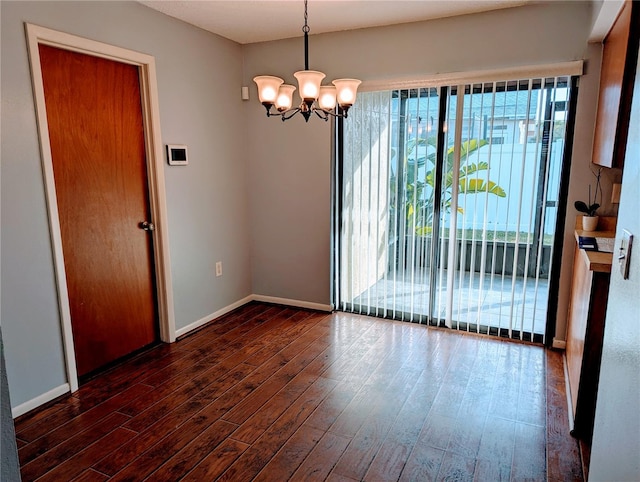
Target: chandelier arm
{"type": "Point", "coordinates": [288, 114]}
{"type": "Point", "coordinates": [341, 114]}
{"type": "Point", "coordinates": [323, 114]}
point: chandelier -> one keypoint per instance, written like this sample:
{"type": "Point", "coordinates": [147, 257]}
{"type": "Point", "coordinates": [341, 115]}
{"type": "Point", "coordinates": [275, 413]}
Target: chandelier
{"type": "Point", "coordinates": [316, 99]}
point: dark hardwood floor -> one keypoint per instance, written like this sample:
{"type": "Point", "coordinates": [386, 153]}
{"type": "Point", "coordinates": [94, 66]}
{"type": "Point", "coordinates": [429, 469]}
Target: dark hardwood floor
{"type": "Point", "coordinates": [271, 393]}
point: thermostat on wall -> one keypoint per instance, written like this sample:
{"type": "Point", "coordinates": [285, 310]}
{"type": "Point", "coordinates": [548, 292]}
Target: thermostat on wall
{"type": "Point", "coordinates": [177, 155]}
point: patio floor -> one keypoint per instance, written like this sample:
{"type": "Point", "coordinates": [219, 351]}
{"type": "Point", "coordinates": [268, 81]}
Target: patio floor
{"type": "Point", "coordinates": [515, 303]}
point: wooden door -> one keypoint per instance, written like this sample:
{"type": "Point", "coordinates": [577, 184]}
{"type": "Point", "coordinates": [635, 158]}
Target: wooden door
{"type": "Point", "coordinates": [96, 133]}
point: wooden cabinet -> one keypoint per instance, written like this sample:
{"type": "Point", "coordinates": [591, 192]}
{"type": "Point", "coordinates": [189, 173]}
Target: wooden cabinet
{"type": "Point", "coordinates": [619, 58]}
{"type": "Point", "coordinates": [585, 331]}
{"type": "Point", "coordinates": [584, 343]}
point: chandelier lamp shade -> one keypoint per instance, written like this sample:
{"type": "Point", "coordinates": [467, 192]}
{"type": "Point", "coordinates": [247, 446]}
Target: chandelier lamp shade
{"type": "Point", "coordinates": [315, 98]}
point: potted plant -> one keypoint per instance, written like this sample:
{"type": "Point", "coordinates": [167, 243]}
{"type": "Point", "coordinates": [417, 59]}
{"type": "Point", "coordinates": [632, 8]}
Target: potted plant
{"type": "Point", "coordinates": [590, 209]}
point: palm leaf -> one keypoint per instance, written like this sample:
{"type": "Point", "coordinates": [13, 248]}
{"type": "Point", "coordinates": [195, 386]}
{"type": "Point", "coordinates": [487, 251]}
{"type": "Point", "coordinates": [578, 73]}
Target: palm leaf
{"type": "Point", "coordinates": [476, 186]}
{"type": "Point", "coordinates": [473, 168]}
{"type": "Point", "coordinates": [420, 141]}
{"type": "Point", "coordinates": [466, 148]}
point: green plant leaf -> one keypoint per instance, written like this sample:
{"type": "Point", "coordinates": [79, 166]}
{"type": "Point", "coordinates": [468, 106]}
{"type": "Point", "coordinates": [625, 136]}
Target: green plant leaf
{"type": "Point", "coordinates": [466, 149]}
{"type": "Point", "coordinates": [473, 168]}
{"type": "Point", "coordinates": [475, 186]}
{"type": "Point", "coordinates": [581, 206]}
{"type": "Point", "coordinates": [424, 230]}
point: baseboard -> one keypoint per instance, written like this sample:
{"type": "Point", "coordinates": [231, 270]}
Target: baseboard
{"type": "Point", "coordinates": [290, 302]}
{"type": "Point", "coordinates": [265, 299]}
{"type": "Point", "coordinates": [559, 344]}
{"type": "Point", "coordinates": [40, 400]}
{"type": "Point", "coordinates": [567, 388]}
{"type": "Point", "coordinates": [203, 321]}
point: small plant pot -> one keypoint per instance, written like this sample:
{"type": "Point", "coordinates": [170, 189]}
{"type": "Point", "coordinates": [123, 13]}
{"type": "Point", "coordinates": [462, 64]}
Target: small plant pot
{"type": "Point", "coordinates": [589, 223]}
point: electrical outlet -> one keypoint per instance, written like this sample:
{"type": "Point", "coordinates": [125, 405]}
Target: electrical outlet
{"type": "Point", "coordinates": [219, 268]}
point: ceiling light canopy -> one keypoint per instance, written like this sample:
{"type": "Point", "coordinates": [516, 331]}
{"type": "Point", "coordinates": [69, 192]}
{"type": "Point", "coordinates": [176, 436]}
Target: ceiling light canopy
{"type": "Point", "coordinates": [316, 98]}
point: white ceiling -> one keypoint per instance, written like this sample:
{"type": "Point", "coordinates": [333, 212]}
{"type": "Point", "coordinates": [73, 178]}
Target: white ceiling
{"type": "Point", "coordinates": [249, 21]}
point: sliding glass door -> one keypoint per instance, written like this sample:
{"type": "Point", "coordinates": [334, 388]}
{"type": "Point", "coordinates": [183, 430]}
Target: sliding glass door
{"type": "Point", "coordinates": [447, 200]}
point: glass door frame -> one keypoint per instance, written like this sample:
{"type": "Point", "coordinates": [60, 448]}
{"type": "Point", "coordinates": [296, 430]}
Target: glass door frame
{"type": "Point", "coordinates": [435, 247]}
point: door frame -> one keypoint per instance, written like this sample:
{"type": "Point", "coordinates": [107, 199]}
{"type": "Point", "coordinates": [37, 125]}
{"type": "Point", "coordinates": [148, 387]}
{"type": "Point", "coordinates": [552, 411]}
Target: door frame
{"type": "Point", "coordinates": [37, 35]}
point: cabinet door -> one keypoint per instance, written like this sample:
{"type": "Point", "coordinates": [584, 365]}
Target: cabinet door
{"type": "Point", "coordinates": [577, 327]}
{"type": "Point", "coordinates": [619, 57]}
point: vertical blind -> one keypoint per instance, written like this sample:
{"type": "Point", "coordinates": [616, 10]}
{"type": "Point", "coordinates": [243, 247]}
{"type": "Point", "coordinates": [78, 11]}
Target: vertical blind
{"type": "Point", "coordinates": [447, 202]}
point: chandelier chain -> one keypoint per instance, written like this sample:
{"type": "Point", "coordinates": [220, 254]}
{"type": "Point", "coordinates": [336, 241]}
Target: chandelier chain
{"type": "Point", "coordinates": [305, 27]}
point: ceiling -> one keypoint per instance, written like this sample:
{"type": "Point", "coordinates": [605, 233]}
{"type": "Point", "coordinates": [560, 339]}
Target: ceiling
{"type": "Point", "coordinates": [249, 21]}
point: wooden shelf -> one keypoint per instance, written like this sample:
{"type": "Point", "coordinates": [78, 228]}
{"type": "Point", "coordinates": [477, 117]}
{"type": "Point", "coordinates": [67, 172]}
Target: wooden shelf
{"type": "Point", "coordinates": [595, 260]}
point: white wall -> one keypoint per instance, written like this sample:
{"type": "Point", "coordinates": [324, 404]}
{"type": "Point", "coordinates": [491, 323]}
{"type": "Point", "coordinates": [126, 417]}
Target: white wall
{"type": "Point", "coordinates": [199, 78]}
{"type": "Point", "coordinates": [615, 452]}
{"type": "Point", "coordinates": [289, 164]}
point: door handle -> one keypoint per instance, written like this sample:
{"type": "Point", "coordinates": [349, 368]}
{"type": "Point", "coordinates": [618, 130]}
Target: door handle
{"type": "Point", "coordinates": [146, 226]}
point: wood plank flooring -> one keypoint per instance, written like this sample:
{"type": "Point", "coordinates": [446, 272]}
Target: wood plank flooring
{"type": "Point", "coordinates": [271, 393]}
